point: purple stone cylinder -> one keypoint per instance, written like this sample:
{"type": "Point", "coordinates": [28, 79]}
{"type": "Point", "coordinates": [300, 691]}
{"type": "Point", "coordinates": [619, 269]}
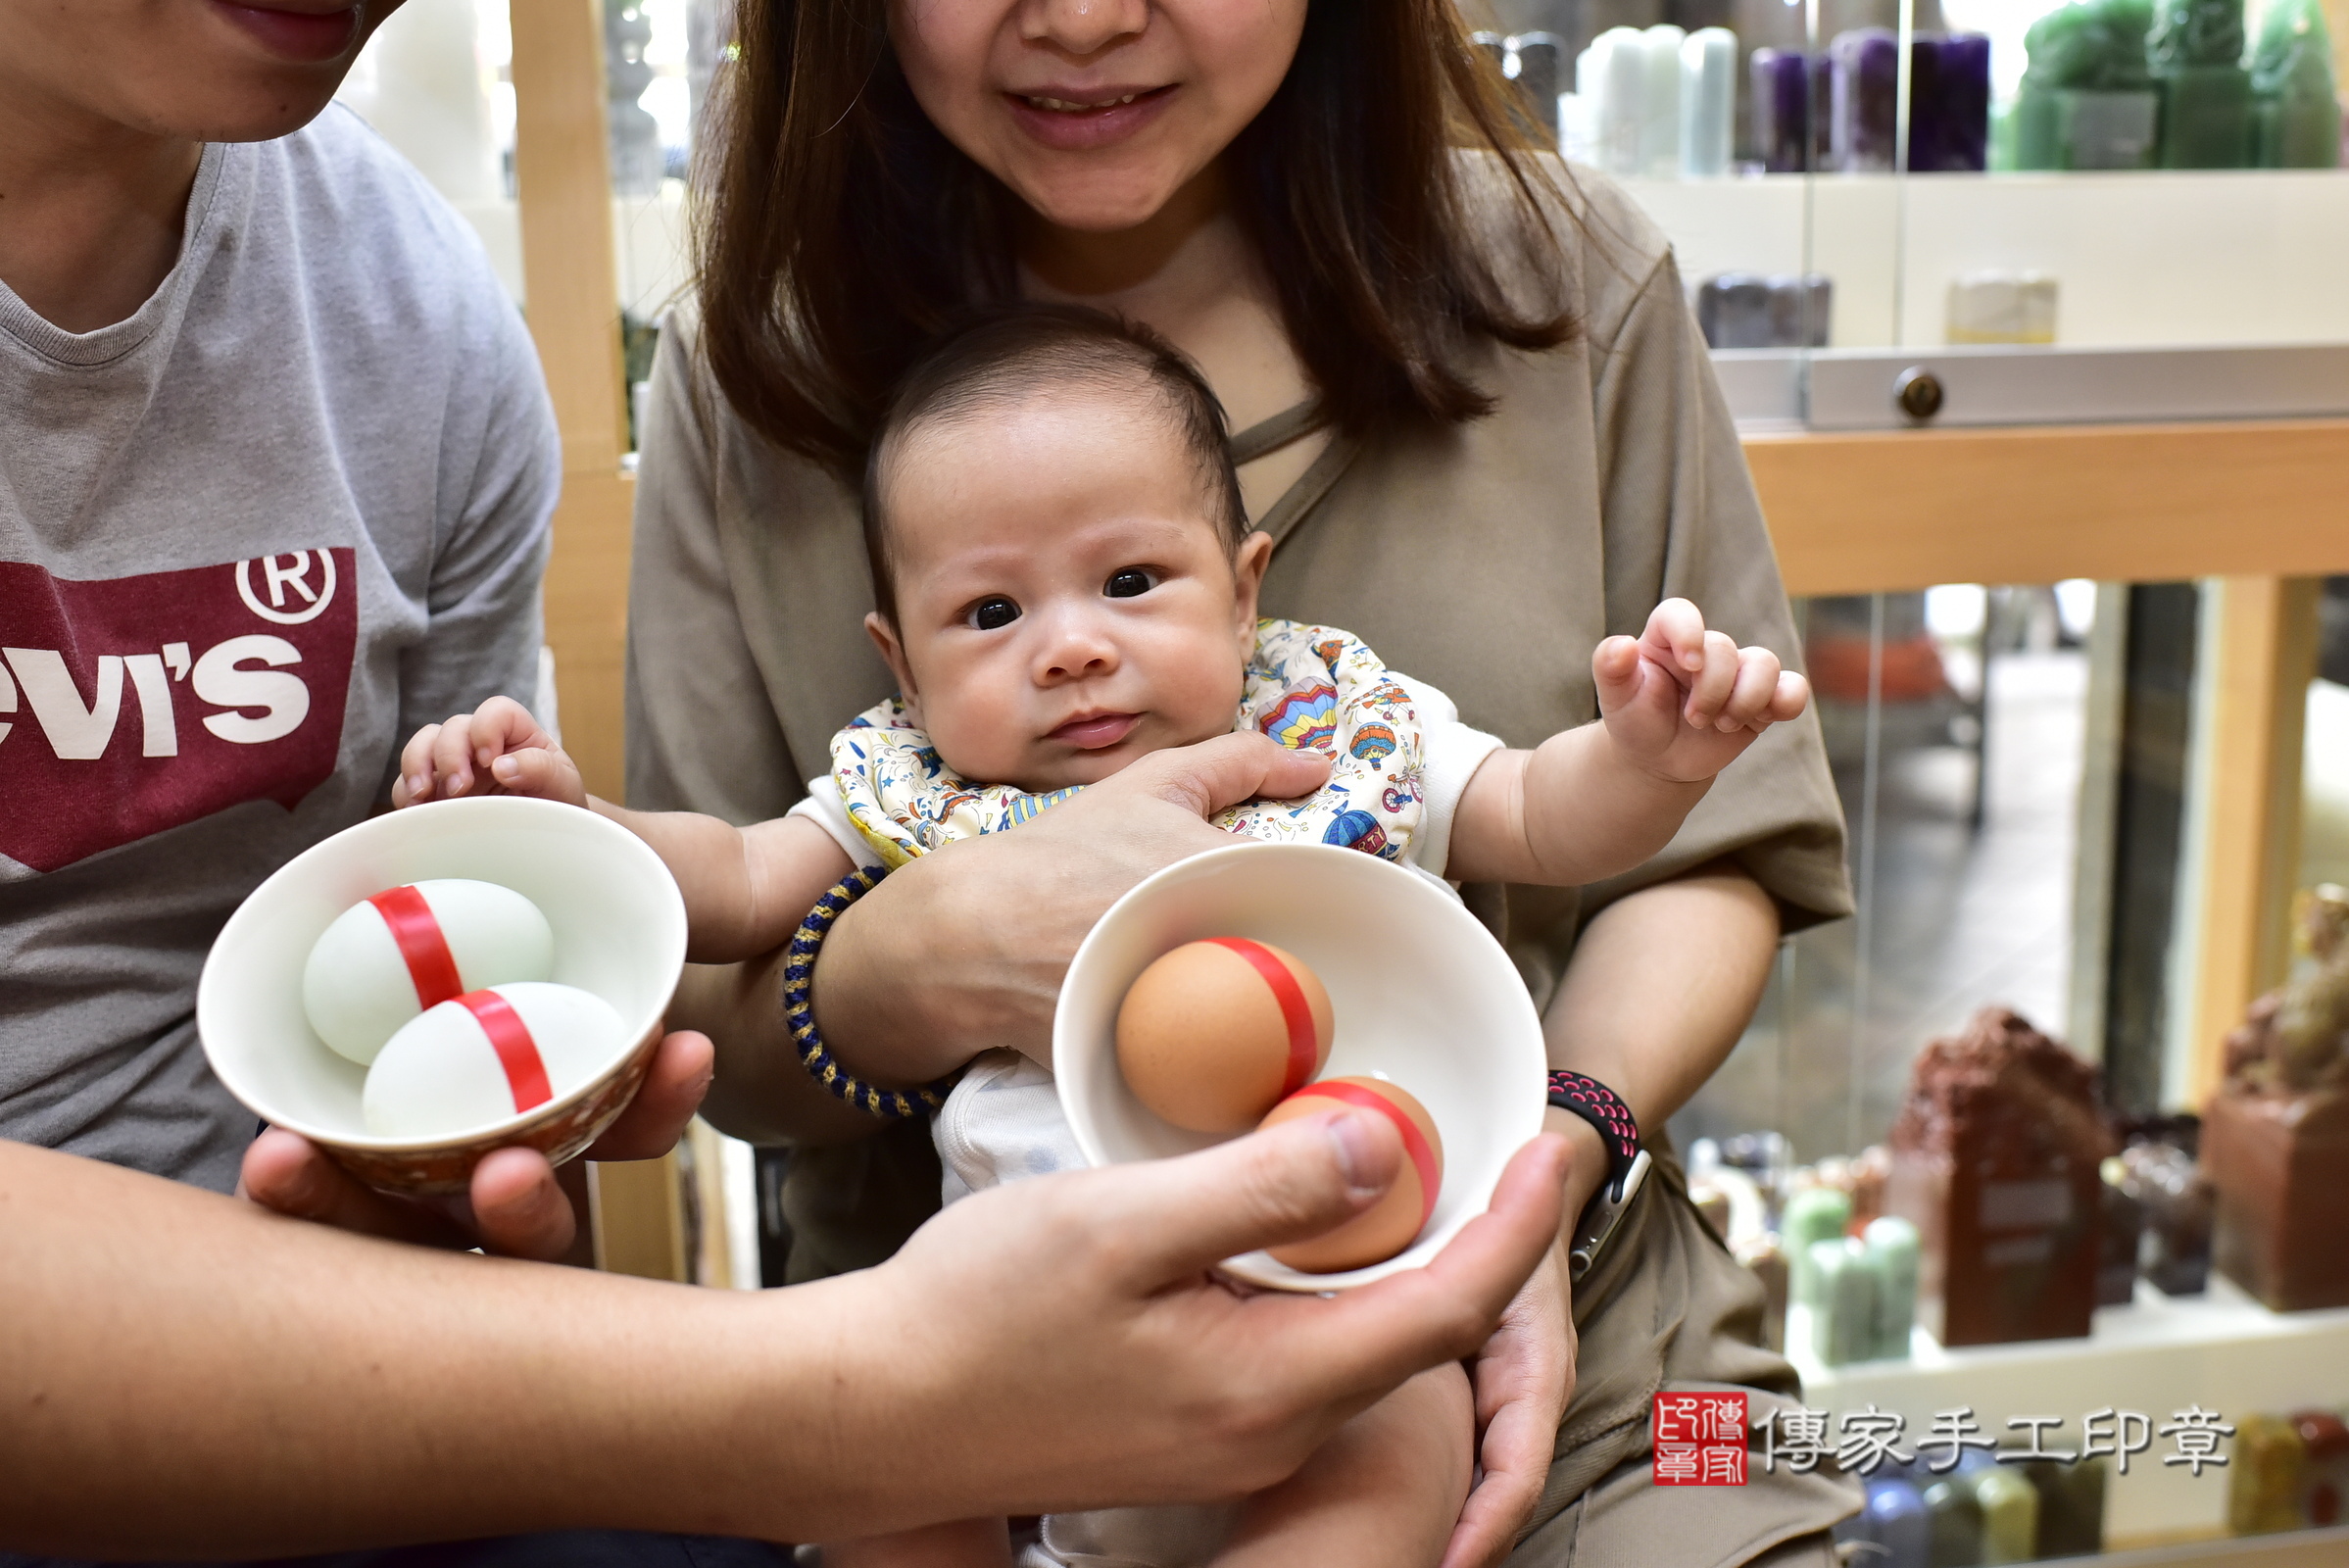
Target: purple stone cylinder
{"type": "Point", "coordinates": [1789, 108]}
{"type": "Point", "coordinates": [1864, 69]}
{"type": "Point", "coordinates": [1949, 103]}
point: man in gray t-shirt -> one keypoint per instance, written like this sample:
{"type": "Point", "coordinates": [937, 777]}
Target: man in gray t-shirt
{"type": "Point", "coordinates": [251, 538]}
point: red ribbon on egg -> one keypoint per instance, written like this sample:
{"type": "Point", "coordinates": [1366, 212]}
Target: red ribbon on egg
{"type": "Point", "coordinates": [517, 1052]}
{"type": "Point", "coordinates": [431, 966]}
{"type": "Point", "coordinates": [1304, 1049]}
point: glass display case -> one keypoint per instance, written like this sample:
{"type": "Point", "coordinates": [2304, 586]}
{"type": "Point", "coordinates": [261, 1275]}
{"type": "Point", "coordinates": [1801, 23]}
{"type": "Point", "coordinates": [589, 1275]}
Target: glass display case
{"type": "Point", "coordinates": [2031, 318]}
{"type": "Point", "coordinates": [1875, 91]}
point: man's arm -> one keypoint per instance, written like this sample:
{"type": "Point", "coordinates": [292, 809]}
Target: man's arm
{"type": "Point", "coordinates": [182, 1374]}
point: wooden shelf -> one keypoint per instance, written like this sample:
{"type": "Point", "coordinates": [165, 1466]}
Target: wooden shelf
{"type": "Point", "coordinates": [1884, 511]}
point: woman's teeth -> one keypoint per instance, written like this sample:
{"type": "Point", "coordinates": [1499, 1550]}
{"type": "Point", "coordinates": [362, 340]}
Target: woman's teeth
{"type": "Point", "coordinates": [1063, 106]}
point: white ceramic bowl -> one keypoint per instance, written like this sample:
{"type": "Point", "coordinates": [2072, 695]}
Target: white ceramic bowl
{"type": "Point", "coordinates": [1422, 996]}
{"type": "Point", "coordinates": [619, 932]}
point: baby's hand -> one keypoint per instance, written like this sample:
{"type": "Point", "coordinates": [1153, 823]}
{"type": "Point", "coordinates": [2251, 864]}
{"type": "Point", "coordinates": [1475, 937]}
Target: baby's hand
{"type": "Point", "coordinates": [498, 749]}
{"type": "Point", "coordinates": [1683, 701]}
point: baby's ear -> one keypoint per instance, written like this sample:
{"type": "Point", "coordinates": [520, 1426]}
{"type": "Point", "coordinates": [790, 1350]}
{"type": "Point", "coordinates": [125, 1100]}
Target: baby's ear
{"type": "Point", "coordinates": [893, 654]}
{"type": "Point", "coordinates": [1248, 577]}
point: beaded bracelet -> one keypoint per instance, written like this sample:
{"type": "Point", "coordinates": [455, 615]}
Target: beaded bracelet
{"type": "Point", "coordinates": [799, 970]}
{"type": "Point", "coordinates": [1581, 1095]}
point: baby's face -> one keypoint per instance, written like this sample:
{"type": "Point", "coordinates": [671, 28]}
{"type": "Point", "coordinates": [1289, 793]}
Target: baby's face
{"type": "Point", "coordinates": [1065, 601]}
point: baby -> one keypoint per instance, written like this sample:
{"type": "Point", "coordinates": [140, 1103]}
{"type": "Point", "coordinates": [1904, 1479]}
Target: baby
{"type": "Point", "coordinates": [1066, 581]}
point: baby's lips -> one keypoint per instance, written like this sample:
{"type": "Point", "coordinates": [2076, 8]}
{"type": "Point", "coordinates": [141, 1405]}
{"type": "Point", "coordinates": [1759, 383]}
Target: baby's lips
{"type": "Point", "coordinates": [1097, 732]}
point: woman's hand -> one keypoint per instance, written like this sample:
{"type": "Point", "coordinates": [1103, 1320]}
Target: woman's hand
{"type": "Point", "coordinates": [1524, 1376]}
{"type": "Point", "coordinates": [517, 1206]}
{"type": "Point", "coordinates": [991, 923]}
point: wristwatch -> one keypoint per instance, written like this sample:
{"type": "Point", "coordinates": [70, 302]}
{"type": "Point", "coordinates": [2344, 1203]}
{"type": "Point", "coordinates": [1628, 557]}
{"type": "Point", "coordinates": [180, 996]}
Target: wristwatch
{"type": "Point", "coordinates": [1601, 1215]}
{"type": "Point", "coordinates": [1580, 1095]}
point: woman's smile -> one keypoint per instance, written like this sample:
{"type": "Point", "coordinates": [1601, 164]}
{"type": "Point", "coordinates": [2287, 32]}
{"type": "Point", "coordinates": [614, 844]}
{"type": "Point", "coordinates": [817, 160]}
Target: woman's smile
{"type": "Point", "coordinates": [1094, 115]}
{"type": "Point", "coordinates": [1074, 120]}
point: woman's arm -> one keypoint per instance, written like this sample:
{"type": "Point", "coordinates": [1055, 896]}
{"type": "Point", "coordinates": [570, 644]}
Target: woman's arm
{"type": "Point", "coordinates": [991, 923]}
{"type": "Point", "coordinates": [988, 923]}
{"type": "Point", "coordinates": [1660, 986]}
{"type": "Point", "coordinates": [1633, 1012]}
{"type": "Point", "coordinates": [187, 1375]}
{"type": "Point", "coordinates": [761, 1093]}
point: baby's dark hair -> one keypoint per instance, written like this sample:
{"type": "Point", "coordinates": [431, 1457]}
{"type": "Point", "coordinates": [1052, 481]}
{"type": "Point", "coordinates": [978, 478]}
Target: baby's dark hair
{"type": "Point", "coordinates": [1005, 354]}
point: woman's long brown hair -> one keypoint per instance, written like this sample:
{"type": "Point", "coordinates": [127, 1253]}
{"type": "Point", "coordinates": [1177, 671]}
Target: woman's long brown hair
{"type": "Point", "coordinates": [838, 229]}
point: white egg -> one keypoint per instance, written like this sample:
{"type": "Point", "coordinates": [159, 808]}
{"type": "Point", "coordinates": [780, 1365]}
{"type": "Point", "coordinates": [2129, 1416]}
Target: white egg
{"type": "Point", "coordinates": [361, 985]}
{"type": "Point", "coordinates": [466, 1064]}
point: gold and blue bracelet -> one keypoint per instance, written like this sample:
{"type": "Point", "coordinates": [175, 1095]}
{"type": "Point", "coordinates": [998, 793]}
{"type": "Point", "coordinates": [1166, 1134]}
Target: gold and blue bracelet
{"type": "Point", "coordinates": [798, 971]}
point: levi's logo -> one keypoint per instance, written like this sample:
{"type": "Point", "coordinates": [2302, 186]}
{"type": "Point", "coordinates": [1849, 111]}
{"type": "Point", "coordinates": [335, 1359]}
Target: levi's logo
{"type": "Point", "coordinates": [132, 704]}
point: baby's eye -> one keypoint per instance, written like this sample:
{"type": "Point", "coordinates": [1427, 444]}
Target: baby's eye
{"type": "Point", "coordinates": [992, 614]}
{"type": "Point", "coordinates": [1131, 583]}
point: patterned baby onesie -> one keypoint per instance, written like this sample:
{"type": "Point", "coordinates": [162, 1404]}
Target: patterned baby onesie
{"type": "Point", "coordinates": [1400, 761]}
{"type": "Point", "coordinates": [1308, 687]}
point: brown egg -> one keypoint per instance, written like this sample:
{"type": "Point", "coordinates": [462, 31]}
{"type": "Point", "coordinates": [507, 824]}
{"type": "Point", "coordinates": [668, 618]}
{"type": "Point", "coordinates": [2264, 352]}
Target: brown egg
{"type": "Point", "coordinates": [1214, 1033]}
{"type": "Point", "coordinates": [1395, 1220]}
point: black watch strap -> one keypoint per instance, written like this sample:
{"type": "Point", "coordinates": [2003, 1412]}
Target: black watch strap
{"type": "Point", "coordinates": [1582, 1096]}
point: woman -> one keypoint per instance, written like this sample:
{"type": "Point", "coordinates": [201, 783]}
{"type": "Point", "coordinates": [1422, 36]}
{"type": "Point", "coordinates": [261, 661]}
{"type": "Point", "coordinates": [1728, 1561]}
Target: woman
{"type": "Point", "coordinates": [1475, 414]}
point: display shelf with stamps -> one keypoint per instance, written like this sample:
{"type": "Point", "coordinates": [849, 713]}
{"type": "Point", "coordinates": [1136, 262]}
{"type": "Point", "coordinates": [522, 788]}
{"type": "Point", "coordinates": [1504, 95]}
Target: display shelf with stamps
{"type": "Point", "coordinates": [2044, 1133]}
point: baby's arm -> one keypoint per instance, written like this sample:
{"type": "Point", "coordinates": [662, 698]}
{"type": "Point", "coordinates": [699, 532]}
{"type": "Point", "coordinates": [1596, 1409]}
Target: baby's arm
{"type": "Point", "coordinates": [1676, 706]}
{"type": "Point", "coordinates": [746, 888]}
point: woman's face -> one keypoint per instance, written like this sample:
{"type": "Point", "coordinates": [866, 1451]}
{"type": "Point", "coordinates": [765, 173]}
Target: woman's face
{"type": "Point", "coordinates": [1094, 112]}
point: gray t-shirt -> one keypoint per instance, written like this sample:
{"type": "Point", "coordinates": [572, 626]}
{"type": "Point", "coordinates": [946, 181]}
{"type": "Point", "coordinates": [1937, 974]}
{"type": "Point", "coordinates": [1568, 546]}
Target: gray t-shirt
{"type": "Point", "coordinates": [250, 539]}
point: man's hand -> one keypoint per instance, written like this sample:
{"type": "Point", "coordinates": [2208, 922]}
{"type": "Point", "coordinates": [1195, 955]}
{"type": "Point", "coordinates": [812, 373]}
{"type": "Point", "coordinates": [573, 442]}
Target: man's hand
{"type": "Point", "coordinates": [517, 1206]}
{"type": "Point", "coordinates": [1140, 1376]}
{"type": "Point", "coordinates": [498, 749]}
{"type": "Point", "coordinates": [1056, 1343]}
{"type": "Point", "coordinates": [1683, 701]}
